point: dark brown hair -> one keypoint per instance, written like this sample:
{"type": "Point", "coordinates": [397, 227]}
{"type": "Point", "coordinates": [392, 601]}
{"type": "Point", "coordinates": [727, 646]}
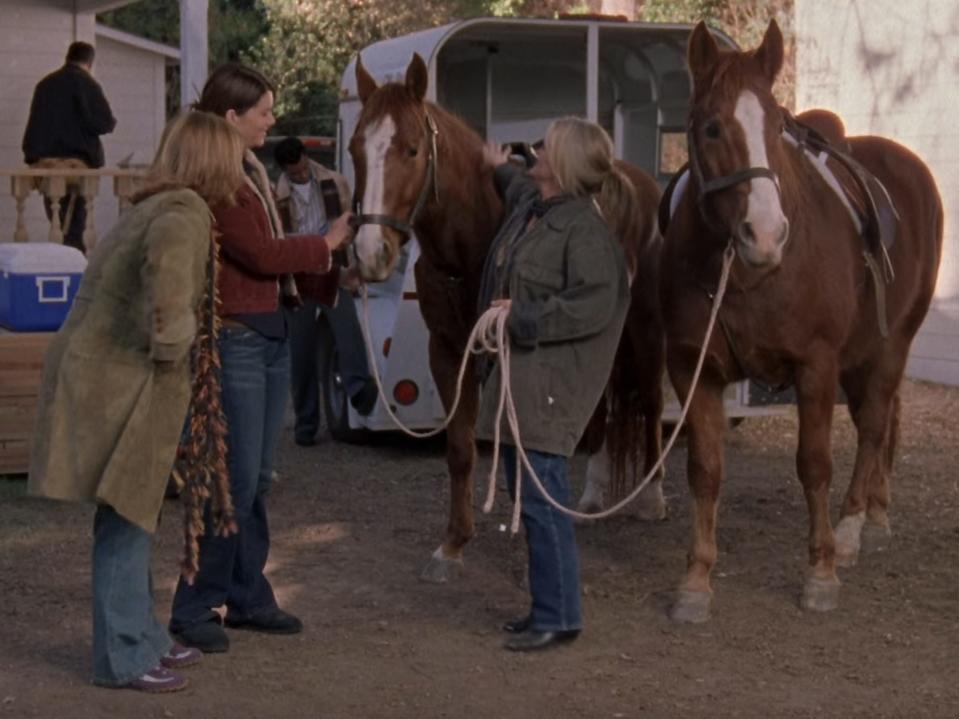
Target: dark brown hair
{"type": "Point", "coordinates": [233, 87]}
{"type": "Point", "coordinates": [81, 53]}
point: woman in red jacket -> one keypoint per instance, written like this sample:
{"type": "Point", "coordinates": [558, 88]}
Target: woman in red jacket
{"type": "Point", "coordinates": [256, 260]}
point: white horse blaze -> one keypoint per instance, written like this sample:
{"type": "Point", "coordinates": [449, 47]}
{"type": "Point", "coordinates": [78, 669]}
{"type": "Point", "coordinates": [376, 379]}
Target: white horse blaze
{"type": "Point", "coordinates": [369, 238]}
{"type": "Point", "coordinates": [764, 211]}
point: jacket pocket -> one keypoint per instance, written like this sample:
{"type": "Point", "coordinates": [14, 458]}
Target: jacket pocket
{"type": "Point", "coordinates": [536, 284]}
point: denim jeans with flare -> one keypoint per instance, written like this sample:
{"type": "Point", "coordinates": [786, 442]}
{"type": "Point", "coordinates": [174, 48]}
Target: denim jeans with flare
{"type": "Point", "coordinates": [128, 641]}
{"type": "Point", "coordinates": [256, 385]}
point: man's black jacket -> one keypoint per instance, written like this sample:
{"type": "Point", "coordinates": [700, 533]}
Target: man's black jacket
{"type": "Point", "coordinates": [68, 114]}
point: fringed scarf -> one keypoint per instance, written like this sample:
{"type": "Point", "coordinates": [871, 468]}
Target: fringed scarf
{"type": "Point", "coordinates": [200, 471]}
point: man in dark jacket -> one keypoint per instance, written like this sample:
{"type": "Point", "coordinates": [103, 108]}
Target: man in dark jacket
{"type": "Point", "coordinates": [68, 114]}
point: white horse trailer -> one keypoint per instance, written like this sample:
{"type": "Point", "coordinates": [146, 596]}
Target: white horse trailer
{"type": "Point", "coordinates": [508, 79]}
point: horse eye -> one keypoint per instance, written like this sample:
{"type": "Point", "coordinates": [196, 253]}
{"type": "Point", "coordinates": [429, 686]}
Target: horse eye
{"type": "Point", "coordinates": [712, 130]}
{"type": "Point", "coordinates": [413, 151]}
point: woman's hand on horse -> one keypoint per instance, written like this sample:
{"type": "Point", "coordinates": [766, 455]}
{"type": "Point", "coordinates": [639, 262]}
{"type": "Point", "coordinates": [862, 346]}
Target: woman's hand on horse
{"type": "Point", "coordinates": [340, 231]}
{"type": "Point", "coordinates": [494, 154]}
{"type": "Point", "coordinates": [350, 279]}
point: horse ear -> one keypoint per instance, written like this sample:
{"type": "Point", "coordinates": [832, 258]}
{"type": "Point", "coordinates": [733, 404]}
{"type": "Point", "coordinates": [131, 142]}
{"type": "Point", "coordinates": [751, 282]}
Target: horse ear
{"type": "Point", "coordinates": [769, 55]}
{"type": "Point", "coordinates": [702, 52]}
{"type": "Point", "coordinates": [417, 77]}
{"type": "Point", "coordinates": [365, 84]}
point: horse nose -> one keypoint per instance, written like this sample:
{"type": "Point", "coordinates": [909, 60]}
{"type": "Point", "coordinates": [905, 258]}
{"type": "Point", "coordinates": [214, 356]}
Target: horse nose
{"type": "Point", "coordinates": [762, 248]}
{"type": "Point", "coordinates": [385, 256]}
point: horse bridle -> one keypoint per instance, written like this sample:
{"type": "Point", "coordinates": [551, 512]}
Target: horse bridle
{"type": "Point", "coordinates": [708, 187]}
{"type": "Point", "coordinates": [405, 228]}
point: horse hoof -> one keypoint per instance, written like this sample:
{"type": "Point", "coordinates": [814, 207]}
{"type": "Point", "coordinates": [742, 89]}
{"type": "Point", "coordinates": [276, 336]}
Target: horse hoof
{"type": "Point", "coordinates": [651, 510]}
{"type": "Point", "coordinates": [846, 557]}
{"type": "Point", "coordinates": [876, 537]}
{"type": "Point", "coordinates": [440, 569]}
{"type": "Point", "coordinates": [820, 595]}
{"type": "Point", "coordinates": [691, 607]}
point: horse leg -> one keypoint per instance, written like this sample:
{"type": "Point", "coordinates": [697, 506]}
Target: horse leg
{"type": "Point", "coordinates": [447, 560]}
{"type": "Point", "coordinates": [705, 424]}
{"type": "Point", "coordinates": [852, 515]}
{"type": "Point", "coordinates": [816, 395]}
{"type": "Point", "coordinates": [598, 465]}
{"type": "Point", "coordinates": [877, 531]}
{"type": "Point", "coordinates": [874, 404]}
{"type": "Point", "coordinates": [651, 505]}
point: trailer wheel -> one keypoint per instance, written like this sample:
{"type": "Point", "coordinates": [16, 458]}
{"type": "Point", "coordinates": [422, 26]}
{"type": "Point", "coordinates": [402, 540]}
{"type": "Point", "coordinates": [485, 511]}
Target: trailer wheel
{"type": "Point", "coordinates": [335, 399]}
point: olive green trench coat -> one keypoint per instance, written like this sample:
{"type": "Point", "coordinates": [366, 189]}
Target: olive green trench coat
{"type": "Point", "coordinates": [116, 378]}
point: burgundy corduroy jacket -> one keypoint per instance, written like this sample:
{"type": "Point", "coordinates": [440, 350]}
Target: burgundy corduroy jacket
{"type": "Point", "coordinates": [251, 260]}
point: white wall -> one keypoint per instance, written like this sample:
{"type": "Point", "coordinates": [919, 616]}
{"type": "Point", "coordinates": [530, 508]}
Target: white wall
{"type": "Point", "coordinates": [33, 43]}
{"type": "Point", "coordinates": [890, 68]}
{"type": "Point", "coordinates": [134, 82]}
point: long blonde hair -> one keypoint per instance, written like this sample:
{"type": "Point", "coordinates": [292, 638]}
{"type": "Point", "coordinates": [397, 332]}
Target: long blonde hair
{"type": "Point", "coordinates": [580, 154]}
{"type": "Point", "coordinates": [200, 151]}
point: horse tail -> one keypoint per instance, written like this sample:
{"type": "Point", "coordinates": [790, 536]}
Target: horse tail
{"type": "Point", "coordinates": [635, 387]}
{"type": "Point", "coordinates": [624, 436]}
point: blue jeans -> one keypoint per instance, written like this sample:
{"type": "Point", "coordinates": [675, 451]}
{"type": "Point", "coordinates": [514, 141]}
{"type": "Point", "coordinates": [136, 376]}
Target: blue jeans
{"type": "Point", "coordinates": [553, 560]}
{"type": "Point", "coordinates": [128, 641]}
{"type": "Point", "coordinates": [256, 382]}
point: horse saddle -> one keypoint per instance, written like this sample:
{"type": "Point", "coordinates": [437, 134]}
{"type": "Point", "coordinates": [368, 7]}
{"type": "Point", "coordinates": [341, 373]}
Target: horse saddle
{"type": "Point", "coordinates": [878, 220]}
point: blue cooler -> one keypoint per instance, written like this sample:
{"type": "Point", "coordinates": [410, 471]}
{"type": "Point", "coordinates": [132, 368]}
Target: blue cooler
{"type": "Point", "coordinates": [38, 281]}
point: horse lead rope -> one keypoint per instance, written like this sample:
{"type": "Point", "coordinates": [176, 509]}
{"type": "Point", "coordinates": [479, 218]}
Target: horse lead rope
{"type": "Point", "coordinates": [489, 335]}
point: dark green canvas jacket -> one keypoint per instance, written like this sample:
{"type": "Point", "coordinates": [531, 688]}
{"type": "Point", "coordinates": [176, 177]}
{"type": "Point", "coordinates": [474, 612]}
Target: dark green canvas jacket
{"type": "Point", "coordinates": [567, 279]}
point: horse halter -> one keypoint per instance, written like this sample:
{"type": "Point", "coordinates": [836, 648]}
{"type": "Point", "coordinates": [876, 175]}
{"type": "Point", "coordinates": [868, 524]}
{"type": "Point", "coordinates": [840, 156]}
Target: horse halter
{"type": "Point", "coordinates": [405, 228]}
{"type": "Point", "coordinates": [708, 187]}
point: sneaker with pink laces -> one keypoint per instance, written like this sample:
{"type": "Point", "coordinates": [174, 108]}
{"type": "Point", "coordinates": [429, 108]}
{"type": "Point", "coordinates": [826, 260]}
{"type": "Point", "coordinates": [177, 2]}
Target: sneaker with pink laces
{"type": "Point", "coordinates": [180, 656]}
{"type": "Point", "coordinates": [159, 680]}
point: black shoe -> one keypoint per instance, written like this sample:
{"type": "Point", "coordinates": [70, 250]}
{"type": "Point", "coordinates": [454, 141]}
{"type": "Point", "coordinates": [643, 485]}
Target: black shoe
{"type": "Point", "coordinates": [533, 641]}
{"type": "Point", "coordinates": [305, 441]}
{"type": "Point", "coordinates": [208, 637]}
{"type": "Point", "coordinates": [269, 621]}
{"type": "Point", "coordinates": [365, 400]}
{"type": "Point", "coordinates": [518, 625]}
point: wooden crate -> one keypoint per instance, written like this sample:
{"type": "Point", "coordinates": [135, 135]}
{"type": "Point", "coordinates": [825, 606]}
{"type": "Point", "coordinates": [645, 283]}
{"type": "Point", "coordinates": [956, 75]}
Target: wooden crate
{"type": "Point", "coordinates": [21, 362]}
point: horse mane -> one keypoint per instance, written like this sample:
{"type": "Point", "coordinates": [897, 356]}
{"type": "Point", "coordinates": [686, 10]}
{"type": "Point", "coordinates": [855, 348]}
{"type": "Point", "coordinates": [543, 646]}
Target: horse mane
{"type": "Point", "coordinates": [457, 139]}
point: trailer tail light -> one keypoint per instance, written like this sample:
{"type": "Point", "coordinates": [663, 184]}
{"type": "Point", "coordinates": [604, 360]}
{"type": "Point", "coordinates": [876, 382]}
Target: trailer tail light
{"type": "Point", "coordinates": [406, 392]}
{"type": "Point", "coordinates": [387, 344]}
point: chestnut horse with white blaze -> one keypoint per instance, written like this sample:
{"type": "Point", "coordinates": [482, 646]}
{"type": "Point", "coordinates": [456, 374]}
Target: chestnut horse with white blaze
{"type": "Point", "coordinates": [421, 168]}
{"type": "Point", "coordinates": [810, 301]}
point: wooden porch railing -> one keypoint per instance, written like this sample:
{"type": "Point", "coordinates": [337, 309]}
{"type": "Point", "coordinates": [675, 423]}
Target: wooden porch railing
{"type": "Point", "coordinates": [57, 185]}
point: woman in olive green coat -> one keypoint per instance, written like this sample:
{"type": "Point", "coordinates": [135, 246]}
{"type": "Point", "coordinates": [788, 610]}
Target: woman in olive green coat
{"type": "Point", "coordinates": [116, 389]}
{"type": "Point", "coordinates": [557, 265]}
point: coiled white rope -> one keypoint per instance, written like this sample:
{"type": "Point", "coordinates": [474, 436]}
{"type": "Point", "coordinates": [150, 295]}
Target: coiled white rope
{"type": "Point", "coordinates": [489, 335]}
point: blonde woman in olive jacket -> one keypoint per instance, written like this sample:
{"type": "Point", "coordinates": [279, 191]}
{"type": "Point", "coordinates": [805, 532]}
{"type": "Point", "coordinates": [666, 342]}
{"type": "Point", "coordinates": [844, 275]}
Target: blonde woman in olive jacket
{"type": "Point", "coordinates": [557, 265]}
{"type": "Point", "coordinates": [116, 388]}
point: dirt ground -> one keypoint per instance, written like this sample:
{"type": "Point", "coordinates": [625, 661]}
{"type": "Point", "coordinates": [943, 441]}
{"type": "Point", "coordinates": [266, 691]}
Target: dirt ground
{"type": "Point", "coordinates": [352, 527]}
